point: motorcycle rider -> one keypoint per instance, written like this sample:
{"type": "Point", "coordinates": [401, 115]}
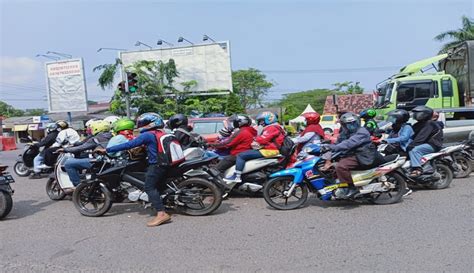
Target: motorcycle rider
{"type": "Point", "coordinates": [52, 132]}
{"type": "Point", "coordinates": [149, 124]}
{"type": "Point", "coordinates": [368, 116]}
{"type": "Point", "coordinates": [183, 132]}
{"type": "Point", "coordinates": [267, 144]}
{"type": "Point", "coordinates": [123, 130]}
{"type": "Point", "coordinates": [428, 138]}
{"type": "Point", "coordinates": [351, 137]}
{"type": "Point", "coordinates": [401, 133]}
{"type": "Point", "coordinates": [66, 137]}
{"type": "Point", "coordinates": [312, 134]}
{"type": "Point", "coordinates": [101, 131]}
{"type": "Point", "coordinates": [224, 135]}
{"type": "Point", "coordinates": [240, 141]}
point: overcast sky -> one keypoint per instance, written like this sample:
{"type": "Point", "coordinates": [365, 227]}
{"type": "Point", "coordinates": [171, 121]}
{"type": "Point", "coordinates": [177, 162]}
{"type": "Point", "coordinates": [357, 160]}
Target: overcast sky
{"type": "Point", "coordinates": [300, 45]}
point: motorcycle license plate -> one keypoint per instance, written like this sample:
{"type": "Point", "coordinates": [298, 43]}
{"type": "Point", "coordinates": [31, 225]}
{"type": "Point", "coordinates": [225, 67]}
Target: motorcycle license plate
{"type": "Point", "coordinates": [6, 179]}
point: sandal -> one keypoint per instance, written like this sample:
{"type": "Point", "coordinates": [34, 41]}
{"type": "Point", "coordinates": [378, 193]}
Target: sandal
{"type": "Point", "coordinates": [416, 173]}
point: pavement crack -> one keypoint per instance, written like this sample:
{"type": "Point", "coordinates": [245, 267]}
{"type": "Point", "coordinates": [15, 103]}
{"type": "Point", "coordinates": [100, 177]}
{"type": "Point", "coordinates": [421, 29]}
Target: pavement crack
{"type": "Point", "coordinates": [82, 240]}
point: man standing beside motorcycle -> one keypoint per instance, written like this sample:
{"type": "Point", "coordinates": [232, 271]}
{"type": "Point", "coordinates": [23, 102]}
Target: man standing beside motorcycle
{"type": "Point", "coordinates": [151, 130]}
{"type": "Point", "coordinates": [238, 142]}
{"type": "Point", "coordinates": [52, 131]}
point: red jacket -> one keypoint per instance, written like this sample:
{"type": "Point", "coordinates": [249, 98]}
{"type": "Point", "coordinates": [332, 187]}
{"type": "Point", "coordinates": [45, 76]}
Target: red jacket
{"type": "Point", "coordinates": [240, 141]}
{"type": "Point", "coordinates": [271, 134]}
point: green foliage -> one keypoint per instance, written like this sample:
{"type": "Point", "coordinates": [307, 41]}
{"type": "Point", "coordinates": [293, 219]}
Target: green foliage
{"type": "Point", "coordinates": [233, 105]}
{"type": "Point", "coordinates": [9, 111]}
{"type": "Point", "coordinates": [465, 33]}
{"type": "Point", "coordinates": [251, 85]}
{"type": "Point", "coordinates": [106, 79]}
{"type": "Point", "coordinates": [349, 88]}
{"type": "Point", "coordinates": [34, 112]}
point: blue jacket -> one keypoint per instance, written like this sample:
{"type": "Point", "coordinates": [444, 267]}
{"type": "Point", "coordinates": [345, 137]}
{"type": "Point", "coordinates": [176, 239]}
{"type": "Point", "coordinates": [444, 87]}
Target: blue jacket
{"type": "Point", "coordinates": [404, 136]}
{"type": "Point", "coordinates": [348, 143]}
{"type": "Point", "coordinates": [146, 138]}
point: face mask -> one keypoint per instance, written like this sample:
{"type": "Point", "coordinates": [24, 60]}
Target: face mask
{"type": "Point", "coordinates": [352, 127]}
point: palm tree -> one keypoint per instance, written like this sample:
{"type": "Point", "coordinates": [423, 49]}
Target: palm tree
{"type": "Point", "coordinates": [457, 36]}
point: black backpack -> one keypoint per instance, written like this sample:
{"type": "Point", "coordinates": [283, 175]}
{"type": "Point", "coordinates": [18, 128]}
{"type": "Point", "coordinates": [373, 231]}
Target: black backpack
{"type": "Point", "coordinates": [195, 140]}
{"type": "Point", "coordinates": [286, 148]}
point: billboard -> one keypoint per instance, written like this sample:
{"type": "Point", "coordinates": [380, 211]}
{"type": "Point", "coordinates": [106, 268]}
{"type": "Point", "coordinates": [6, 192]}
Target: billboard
{"type": "Point", "coordinates": [66, 86]}
{"type": "Point", "coordinates": [207, 64]}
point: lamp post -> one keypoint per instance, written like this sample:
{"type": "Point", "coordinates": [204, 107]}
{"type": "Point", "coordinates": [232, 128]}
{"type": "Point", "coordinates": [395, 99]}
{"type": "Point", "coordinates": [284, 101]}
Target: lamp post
{"type": "Point", "coordinates": [206, 37]}
{"type": "Point", "coordinates": [64, 55]}
{"type": "Point", "coordinates": [181, 39]}
{"type": "Point", "coordinates": [110, 48]}
{"type": "Point", "coordinates": [138, 43]}
{"type": "Point", "coordinates": [48, 57]}
{"type": "Point", "coordinates": [160, 42]}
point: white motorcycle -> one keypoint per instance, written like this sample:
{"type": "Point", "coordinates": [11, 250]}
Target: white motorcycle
{"type": "Point", "coordinates": [59, 182]}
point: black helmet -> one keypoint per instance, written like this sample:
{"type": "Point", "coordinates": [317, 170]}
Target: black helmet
{"type": "Point", "coordinates": [398, 116]}
{"type": "Point", "coordinates": [177, 120]}
{"type": "Point", "coordinates": [241, 120]}
{"type": "Point", "coordinates": [62, 124]}
{"type": "Point", "coordinates": [422, 113]}
{"type": "Point", "coordinates": [350, 121]}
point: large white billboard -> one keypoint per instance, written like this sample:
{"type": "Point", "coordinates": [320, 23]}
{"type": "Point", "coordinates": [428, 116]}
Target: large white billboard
{"type": "Point", "coordinates": [208, 64]}
{"type": "Point", "coordinates": [66, 86]}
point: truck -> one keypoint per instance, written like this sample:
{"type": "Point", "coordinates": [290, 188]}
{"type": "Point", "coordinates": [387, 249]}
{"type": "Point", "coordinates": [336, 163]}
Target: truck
{"type": "Point", "coordinates": [440, 82]}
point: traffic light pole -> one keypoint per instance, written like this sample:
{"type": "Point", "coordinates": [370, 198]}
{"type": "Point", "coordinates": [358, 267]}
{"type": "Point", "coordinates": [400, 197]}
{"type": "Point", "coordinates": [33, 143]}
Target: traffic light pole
{"type": "Point", "coordinates": [127, 94]}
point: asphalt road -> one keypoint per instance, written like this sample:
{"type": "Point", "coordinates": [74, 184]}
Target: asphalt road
{"type": "Point", "coordinates": [430, 231]}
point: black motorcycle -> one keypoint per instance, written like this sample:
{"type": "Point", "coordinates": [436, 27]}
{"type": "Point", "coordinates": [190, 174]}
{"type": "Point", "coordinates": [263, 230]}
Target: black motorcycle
{"type": "Point", "coordinates": [24, 164]}
{"type": "Point", "coordinates": [189, 188]}
{"type": "Point", "coordinates": [6, 192]}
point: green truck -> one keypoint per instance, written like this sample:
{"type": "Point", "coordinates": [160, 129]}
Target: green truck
{"type": "Point", "coordinates": [441, 82]}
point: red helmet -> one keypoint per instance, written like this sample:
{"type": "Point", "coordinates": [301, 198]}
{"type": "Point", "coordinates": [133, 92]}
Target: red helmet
{"type": "Point", "coordinates": [312, 118]}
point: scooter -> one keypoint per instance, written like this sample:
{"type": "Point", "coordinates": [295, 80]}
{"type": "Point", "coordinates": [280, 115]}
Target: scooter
{"type": "Point", "coordinates": [6, 192]}
{"type": "Point", "coordinates": [288, 189]}
{"type": "Point", "coordinates": [24, 163]}
{"type": "Point", "coordinates": [59, 182]}
{"type": "Point", "coordinates": [461, 155]}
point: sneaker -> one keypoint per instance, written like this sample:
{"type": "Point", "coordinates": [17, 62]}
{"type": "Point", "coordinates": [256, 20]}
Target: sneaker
{"type": "Point", "coordinates": [35, 176]}
{"type": "Point", "coordinates": [350, 192]}
{"type": "Point", "coordinates": [233, 179]}
{"type": "Point", "coordinates": [44, 166]}
{"type": "Point", "coordinates": [408, 191]}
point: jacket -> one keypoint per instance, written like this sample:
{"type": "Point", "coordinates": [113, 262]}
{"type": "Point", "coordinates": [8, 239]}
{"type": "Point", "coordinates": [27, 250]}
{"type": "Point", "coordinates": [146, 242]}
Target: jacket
{"type": "Point", "coordinates": [47, 141]}
{"type": "Point", "coordinates": [240, 141]}
{"type": "Point", "coordinates": [66, 138]}
{"type": "Point", "coordinates": [90, 144]}
{"type": "Point", "coordinates": [312, 134]}
{"type": "Point", "coordinates": [147, 138]}
{"type": "Point", "coordinates": [348, 143]}
{"type": "Point", "coordinates": [427, 132]}
{"type": "Point", "coordinates": [271, 134]}
{"type": "Point", "coordinates": [403, 136]}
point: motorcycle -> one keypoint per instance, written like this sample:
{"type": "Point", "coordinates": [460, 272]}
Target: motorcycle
{"type": "Point", "coordinates": [188, 189]}
{"type": "Point", "coordinates": [24, 163]}
{"type": "Point", "coordinates": [6, 192]}
{"type": "Point", "coordinates": [288, 189]}
{"type": "Point", "coordinates": [461, 155]}
{"type": "Point", "coordinates": [59, 180]}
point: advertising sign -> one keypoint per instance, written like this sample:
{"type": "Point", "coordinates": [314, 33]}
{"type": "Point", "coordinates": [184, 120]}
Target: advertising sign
{"type": "Point", "coordinates": [66, 86]}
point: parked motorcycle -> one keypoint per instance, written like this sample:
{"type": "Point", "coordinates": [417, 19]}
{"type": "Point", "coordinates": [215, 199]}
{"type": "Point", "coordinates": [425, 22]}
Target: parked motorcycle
{"type": "Point", "coordinates": [6, 192]}
{"type": "Point", "coordinates": [24, 163]}
{"type": "Point", "coordinates": [461, 155]}
{"type": "Point", "coordinates": [188, 189]}
{"type": "Point", "coordinates": [288, 189]}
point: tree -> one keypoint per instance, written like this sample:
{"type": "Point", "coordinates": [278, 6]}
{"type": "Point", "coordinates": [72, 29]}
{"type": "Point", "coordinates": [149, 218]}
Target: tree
{"type": "Point", "coordinates": [35, 112]}
{"type": "Point", "coordinates": [465, 33]}
{"type": "Point", "coordinates": [251, 86]}
{"type": "Point", "coordinates": [233, 105]}
{"type": "Point", "coordinates": [9, 111]}
{"type": "Point", "coordinates": [106, 79]}
{"type": "Point", "coordinates": [349, 88]}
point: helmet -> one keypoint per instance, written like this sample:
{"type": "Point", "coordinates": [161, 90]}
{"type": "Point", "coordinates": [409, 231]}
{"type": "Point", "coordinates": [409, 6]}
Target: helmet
{"type": "Point", "coordinates": [100, 126]}
{"type": "Point", "coordinates": [51, 127]}
{"type": "Point", "coordinates": [350, 121]}
{"type": "Point", "coordinates": [123, 124]}
{"type": "Point", "coordinates": [266, 118]}
{"type": "Point", "coordinates": [177, 120]}
{"type": "Point", "coordinates": [398, 116]}
{"type": "Point", "coordinates": [149, 121]}
{"type": "Point", "coordinates": [225, 132]}
{"type": "Point", "coordinates": [312, 118]}
{"type": "Point", "coordinates": [368, 113]}
{"type": "Point", "coordinates": [62, 124]}
{"type": "Point", "coordinates": [241, 120]}
{"type": "Point", "coordinates": [89, 122]}
{"type": "Point", "coordinates": [111, 119]}
{"type": "Point", "coordinates": [422, 113]}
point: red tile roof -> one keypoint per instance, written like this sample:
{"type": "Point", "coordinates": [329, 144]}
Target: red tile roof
{"type": "Point", "coordinates": [349, 103]}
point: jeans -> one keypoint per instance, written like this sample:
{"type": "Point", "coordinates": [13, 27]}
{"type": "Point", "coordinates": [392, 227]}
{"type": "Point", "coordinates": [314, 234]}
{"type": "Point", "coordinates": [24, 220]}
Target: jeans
{"type": "Point", "coordinates": [37, 161]}
{"type": "Point", "coordinates": [244, 156]}
{"type": "Point", "coordinates": [155, 175]}
{"type": "Point", "coordinates": [74, 166]}
{"type": "Point", "coordinates": [418, 152]}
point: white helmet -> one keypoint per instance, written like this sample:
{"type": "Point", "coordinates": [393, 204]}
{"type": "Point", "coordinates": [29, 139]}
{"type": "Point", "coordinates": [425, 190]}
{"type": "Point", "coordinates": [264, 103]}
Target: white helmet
{"type": "Point", "coordinates": [111, 119]}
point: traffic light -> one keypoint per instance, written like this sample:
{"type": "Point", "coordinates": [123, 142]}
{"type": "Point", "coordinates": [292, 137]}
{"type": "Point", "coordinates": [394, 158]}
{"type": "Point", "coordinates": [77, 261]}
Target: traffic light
{"type": "Point", "coordinates": [121, 86]}
{"type": "Point", "coordinates": [132, 82]}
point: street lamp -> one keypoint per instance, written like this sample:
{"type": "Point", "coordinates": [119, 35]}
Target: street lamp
{"type": "Point", "coordinates": [69, 56]}
{"type": "Point", "coordinates": [181, 39]}
{"type": "Point", "coordinates": [160, 42]}
{"type": "Point", "coordinates": [205, 38]}
{"type": "Point", "coordinates": [49, 57]}
{"type": "Point", "coordinates": [110, 48]}
{"type": "Point", "coordinates": [138, 43]}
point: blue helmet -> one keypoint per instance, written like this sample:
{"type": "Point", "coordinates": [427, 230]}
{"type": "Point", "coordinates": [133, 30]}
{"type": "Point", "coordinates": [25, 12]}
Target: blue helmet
{"type": "Point", "coordinates": [149, 121]}
{"type": "Point", "coordinates": [266, 118]}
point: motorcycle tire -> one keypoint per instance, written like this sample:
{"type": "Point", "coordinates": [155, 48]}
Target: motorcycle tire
{"type": "Point", "coordinates": [465, 164]}
{"type": "Point", "coordinates": [6, 204]}
{"type": "Point", "coordinates": [54, 190]}
{"type": "Point", "coordinates": [97, 192]}
{"type": "Point", "coordinates": [274, 188]}
{"type": "Point", "coordinates": [21, 170]}
{"type": "Point", "coordinates": [189, 186]}
{"type": "Point", "coordinates": [446, 177]}
{"type": "Point", "coordinates": [391, 196]}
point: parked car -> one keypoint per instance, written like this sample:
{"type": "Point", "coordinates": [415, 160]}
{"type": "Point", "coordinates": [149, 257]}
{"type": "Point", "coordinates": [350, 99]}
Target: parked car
{"type": "Point", "coordinates": [208, 127]}
{"type": "Point", "coordinates": [329, 123]}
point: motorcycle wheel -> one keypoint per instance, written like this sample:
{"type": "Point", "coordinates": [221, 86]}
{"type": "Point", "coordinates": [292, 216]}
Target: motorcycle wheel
{"type": "Point", "coordinates": [21, 170]}
{"type": "Point", "coordinates": [92, 199]}
{"type": "Point", "coordinates": [206, 197]}
{"type": "Point", "coordinates": [274, 189]}
{"type": "Point", "coordinates": [446, 177]}
{"type": "Point", "coordinates": [6, 204]}
{"type": "Point", "coordinates": [54, 190]}
{"type": "Point", "coordinates": [393, 195]}
{"type": "Point", "coordinates": [465, 164]}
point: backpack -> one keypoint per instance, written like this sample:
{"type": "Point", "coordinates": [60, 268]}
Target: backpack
{"type": "Point", "coordinates": [195, 140]}
{"type": "Point", "coordinates": [287, 146]}
{"type": "Point", "coordinates": [170, 152]}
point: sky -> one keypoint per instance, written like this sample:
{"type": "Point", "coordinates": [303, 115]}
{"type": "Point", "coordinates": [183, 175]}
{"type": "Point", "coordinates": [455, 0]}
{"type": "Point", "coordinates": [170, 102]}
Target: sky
{"type": "Point", "coordinates": [299, 45]}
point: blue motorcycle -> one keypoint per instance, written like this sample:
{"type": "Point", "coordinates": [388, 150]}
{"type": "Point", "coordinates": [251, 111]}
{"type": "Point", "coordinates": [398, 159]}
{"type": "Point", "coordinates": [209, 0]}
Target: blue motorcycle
{"type": "Point", "coordinates": [289, 188]}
